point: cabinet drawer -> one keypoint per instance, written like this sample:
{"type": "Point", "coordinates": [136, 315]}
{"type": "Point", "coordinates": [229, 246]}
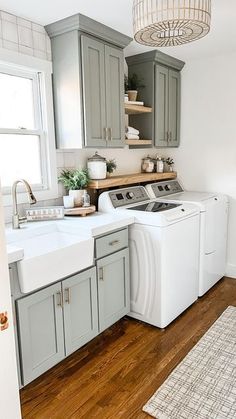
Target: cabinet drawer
{"type": "Point", "coordinates": [111, 243]}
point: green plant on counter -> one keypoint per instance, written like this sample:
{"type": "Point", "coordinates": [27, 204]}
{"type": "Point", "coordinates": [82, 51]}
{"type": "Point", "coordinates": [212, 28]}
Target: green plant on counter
{"type": "Point", "coordinates": [133, 82]}
{"type": "Point", "coordinates": [111, 165]}
{"type": "Point", "coordinates": [74, 179]}
{"type": "Point", "coordinates": [169, 161]}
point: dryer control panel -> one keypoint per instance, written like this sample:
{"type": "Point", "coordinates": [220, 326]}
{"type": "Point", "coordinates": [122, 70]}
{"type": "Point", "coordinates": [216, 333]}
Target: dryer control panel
{"type": "Point", "coordinates": [133, 195]}
{"type": "Point", "coordinates": [161, 189]}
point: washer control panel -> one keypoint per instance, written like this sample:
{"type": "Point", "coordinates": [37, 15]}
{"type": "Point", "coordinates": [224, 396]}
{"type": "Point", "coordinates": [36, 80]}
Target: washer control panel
{"type": "Point", "coordinates": [166, 188]}
{"type": "Point", "coordinates": [133, 195]}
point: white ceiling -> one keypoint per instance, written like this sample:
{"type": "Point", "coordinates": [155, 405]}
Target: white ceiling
{"type": "Point", "coordinates": [118, 15]}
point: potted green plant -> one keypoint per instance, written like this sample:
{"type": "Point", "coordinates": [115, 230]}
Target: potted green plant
{"type": "Point", "coordinates": [111, 166]}
{"type": "Point", "coordinates": [169, 163]}
{"type": "Point", "coordinates": [132, 84]}
{"type": "Point", "coordinates": [76, 182]}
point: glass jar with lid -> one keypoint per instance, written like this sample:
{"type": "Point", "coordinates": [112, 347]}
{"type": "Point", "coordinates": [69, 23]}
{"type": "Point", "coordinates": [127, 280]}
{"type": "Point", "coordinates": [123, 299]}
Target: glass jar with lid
{"type": "Point", "coordinates": [147, 165]}
{"type": "Point", "coordinates": [97, 167]}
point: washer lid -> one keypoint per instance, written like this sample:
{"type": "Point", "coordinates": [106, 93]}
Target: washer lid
{"type": "Point", "coordinates": [154, 207]}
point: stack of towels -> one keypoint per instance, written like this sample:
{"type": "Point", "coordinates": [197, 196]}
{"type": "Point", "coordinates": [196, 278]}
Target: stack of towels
{"type": "Point", "coordinates": [132, 133]}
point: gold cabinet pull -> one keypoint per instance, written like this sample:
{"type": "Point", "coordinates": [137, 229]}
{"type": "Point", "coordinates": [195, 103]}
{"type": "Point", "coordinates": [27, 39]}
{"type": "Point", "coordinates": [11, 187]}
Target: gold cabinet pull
{"type": "Point", "coordinates": [59, 299]}
{"type": "Point", "coordinates": [67, 296]}
{"type": "Point", "coordinates": [106, 134]}
{"type": "Point", "coordinates": [101, 278]}
{"type": "Point", "coordinates": [110, 136]}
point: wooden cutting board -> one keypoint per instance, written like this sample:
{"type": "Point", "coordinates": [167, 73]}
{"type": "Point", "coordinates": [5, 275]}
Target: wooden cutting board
{"type": "Point", "coordinates": [80, 211]}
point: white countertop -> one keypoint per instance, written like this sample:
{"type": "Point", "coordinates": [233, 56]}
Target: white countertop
{"type": "Point", "coordinates": [94, 225]}
{"type": "Point", "coordinates": [14, 253]}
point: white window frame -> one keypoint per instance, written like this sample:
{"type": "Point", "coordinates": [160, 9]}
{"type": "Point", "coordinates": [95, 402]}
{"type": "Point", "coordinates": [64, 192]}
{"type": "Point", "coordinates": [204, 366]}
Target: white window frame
{"type": "Point", "coordinates": [41, 72]}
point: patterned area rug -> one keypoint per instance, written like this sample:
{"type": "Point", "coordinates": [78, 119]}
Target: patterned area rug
{"type": "Point", "coordinates": [203, 385]}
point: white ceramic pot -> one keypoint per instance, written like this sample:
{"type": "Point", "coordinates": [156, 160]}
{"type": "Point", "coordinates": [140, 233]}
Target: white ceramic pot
{"type": "Point", "coordinates": [78, 197]}
{"type": "Point", "coordinates": [97, 167]}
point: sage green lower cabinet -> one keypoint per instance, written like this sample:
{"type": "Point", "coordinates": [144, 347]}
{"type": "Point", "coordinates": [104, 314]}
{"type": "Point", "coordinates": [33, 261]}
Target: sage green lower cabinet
{"type": "Point", "coordinates": [56, 321]}
{"type": "Point", "coordinates": [113, 288]}
{"type": "Point", "coordinates": [80, 309]}
{"type": "Point", "coordinates": [40, 331]}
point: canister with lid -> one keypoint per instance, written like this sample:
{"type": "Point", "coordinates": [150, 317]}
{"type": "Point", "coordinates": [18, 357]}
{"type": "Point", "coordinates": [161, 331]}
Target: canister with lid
{"type": "Point", "coordinates": [147, 164]}
{"type": "Point", "coordinates": [97, 167]}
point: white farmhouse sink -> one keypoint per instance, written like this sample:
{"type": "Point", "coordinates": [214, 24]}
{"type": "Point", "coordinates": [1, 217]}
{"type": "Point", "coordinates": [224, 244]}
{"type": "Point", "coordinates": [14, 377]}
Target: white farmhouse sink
{"type": "Point", "coordinates": [51, 253]}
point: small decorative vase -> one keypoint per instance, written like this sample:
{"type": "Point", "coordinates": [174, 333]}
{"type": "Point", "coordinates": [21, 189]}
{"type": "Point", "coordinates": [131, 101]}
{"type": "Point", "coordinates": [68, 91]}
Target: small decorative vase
{"type": "Point", "coordinates": [171, 169]}
{"type": "Point", "coordinates": [132, 95]}
{"type": "Point", "coordinates": [78, 197]}
{"type": "Point", "coordinates": [109, 174]}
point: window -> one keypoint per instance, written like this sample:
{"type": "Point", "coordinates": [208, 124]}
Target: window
{"type": "Point", "coordinates": [27, 144]}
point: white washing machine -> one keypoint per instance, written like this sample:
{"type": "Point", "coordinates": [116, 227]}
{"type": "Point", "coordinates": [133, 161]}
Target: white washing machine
{"type": "Point", "coordinates": [213, 227]}
{"type": "Point", "coordinates": [164, 253]}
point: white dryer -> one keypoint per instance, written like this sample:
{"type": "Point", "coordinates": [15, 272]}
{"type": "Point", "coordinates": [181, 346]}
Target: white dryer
{"type": "Point", "coordinates": [164, 253]}
{"type": "Point", "coordinates": [213, 227]}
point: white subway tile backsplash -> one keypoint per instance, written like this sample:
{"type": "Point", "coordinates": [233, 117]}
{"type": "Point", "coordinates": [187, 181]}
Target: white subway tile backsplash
{"type": "Point", "coordinates": [8, 16]}
{"type": "Point", "coordinates": [39, 41]}
{"type": "Point", "coordinates": [25, 36]}
{"type": "Point", "coordinates": [10, 45]}
{"type": "Point", "coordinates": [49, 56]}
{"type": "Point", "coordinates": [18, 34]}
{"type": "Point", "coordinates": [60, 159]}
{"type": "Point", "coordinates": [26, 50]}
{"type": "Point", "coordinates": [38, 28]}
{"type": "Point", "coordinates": [24, 22]}
{"type": "Point", "coordinates": [9, 31]}
{"type": "Point", "coordinates": [40, 54]}
{"type": "Point", "coordinates": [69, 159]}
{"type": "Point", "coordinates": [48, 44]}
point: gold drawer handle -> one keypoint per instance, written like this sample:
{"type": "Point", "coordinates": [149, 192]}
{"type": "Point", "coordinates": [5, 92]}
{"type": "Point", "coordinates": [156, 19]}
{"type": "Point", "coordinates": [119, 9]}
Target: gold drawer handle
{"type": "Point", "coordinates": [114, 242]}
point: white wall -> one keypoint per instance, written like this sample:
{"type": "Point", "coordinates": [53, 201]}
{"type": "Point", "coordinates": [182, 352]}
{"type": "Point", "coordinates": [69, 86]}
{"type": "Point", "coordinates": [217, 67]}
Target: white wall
{"type": "Point", "coordinates": [206, 159]}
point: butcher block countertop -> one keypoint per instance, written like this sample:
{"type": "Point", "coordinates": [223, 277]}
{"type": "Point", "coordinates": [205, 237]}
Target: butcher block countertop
{"type": "Point", "coordinates": [131, 179]}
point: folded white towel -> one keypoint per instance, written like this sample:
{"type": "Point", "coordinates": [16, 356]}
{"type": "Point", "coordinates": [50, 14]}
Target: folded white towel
{"type": "Point", "coordinates": [132, 136]}
{"type": "Point", "coordinates": [131, 130]}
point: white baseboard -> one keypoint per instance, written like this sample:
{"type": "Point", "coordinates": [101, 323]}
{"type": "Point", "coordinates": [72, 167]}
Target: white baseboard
{"type": "Point", "coordinates": [231, 271]}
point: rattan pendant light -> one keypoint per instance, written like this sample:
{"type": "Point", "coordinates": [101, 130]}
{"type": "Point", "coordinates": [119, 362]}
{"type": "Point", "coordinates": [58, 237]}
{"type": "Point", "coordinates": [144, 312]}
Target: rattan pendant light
{"type": "Point", "coordinates": [163, 23]}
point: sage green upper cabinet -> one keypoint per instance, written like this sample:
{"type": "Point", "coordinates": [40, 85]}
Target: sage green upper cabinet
{"type": "Point", "coordinates": [161, 75]}
{"type": "Point", "coordinates": [88, 74]}
{"type": "Point", "coordinates": [93, 75]}
{"type": "Point", "coordinates": [102, 73]}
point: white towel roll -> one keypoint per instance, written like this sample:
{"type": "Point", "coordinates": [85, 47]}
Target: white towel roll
{"type": "Point", "coordinates": [132, 136]}
{"type": "Point", "coordinates": [131, 130]}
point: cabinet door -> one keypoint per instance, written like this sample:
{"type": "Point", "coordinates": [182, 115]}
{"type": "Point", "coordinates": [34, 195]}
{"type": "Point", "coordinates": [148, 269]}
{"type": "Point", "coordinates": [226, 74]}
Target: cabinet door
{"type": "Point", "coordinates": [113, 288]}
{"type": "Point", "coordinates": [174, 108]}
{"type": "Point", "coordinates": [40, 327]}
{"type": "Point", "coordinates": [80, 309]}
{"type": "Point", "coordinates": [93, 74]}
{"type": "Point", "coordinates": [114, 71]}
{"type": "Point", "coordinates": [161, 106]}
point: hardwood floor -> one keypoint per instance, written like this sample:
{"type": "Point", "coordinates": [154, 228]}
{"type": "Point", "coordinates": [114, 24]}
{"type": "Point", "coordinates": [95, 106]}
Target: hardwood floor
{"type": "Point", "coordinates": [114, 375]}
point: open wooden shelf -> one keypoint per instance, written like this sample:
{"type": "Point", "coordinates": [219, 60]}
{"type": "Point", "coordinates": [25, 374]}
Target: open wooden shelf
{"type": "Point", "coordinates": [136, 109]}
{"type": "Point", "coordinates": [131, 179]}
{"type": "Point", "coordinates": [138, 142]}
